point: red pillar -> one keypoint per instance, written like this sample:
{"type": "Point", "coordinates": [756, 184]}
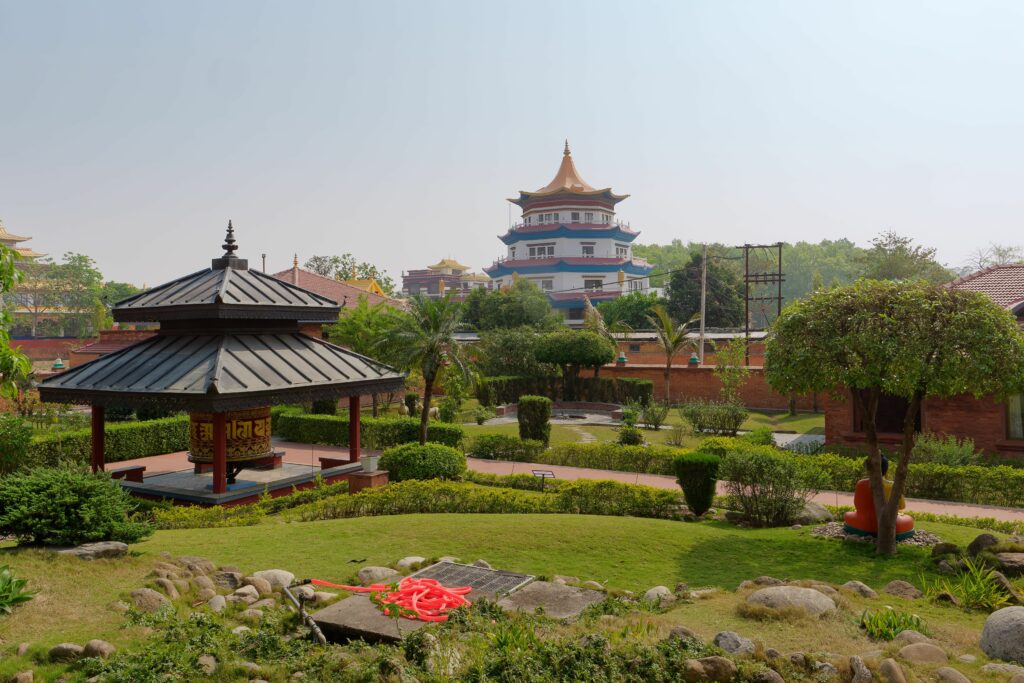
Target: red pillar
{"type": "Point", "coordinates": [220, 454]}
{"type": "Point", "coordinates": [353, 429]}
{"type": "Point", "coordinates": [97, 456]}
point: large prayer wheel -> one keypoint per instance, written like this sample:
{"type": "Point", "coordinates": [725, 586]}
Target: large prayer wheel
{"type": "Point", "coordinates": [248, 436]}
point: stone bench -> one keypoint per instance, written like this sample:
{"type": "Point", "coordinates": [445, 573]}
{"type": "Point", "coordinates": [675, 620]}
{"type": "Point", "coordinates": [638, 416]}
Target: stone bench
{"type": "Point", "coordinates": [130, 473]}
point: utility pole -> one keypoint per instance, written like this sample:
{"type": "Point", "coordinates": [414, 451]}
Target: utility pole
{"type": "Point", "coordinates": [703, 299]}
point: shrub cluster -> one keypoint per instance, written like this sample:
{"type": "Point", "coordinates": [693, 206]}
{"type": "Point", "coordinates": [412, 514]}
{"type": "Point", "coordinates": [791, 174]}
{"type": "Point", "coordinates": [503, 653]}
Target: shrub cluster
{"type": "Point", "coordinates": [426, 461]}
{"type": "Point", "coordinates": [503, 447]}
{"type": "Point", "coordinates": [652, 459]}
{"type": "Point", "coordinates": [698, 475]}
{"type": "Point", "coordinates": [508, 389]}
{"type": "Point", "coordinates": [769, 486]}
{"type": "Point", "coordinates": [534, 416]}
{"type": "Point", "coordinates": [66, 507]}
{"type": "Point", "coordinates": [376, 432]}
{"type": "Point", "coordinates": [15, 439]}
{"type": "Point", "coordinates": [123, 441]}
{"type": "Point", "coordinates": [714, 417]}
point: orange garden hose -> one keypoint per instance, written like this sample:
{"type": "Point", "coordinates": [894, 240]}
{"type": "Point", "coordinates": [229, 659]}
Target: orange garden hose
{"type": "Point", "coordinates": [423, 599]}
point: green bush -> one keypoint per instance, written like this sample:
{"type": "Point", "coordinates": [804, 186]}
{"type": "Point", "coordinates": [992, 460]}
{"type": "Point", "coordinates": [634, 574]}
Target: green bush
{"type": "Point", "coordinates": [427, 461]}
{"type": "Point", "coordinates": [697, 474]}
{"type": "Point", "coordinates": [66, 507]}
{"type": "Point", "coordinates": [610, 456]}
{"type": "Point", "coordinates": [375, 432]}
{"type": "Point", "coordinates": [653, 414]}
{"type": "Point", "coordinates": [585, 497]}
{"type": "Point", "coordinates": [714, 417]}
{"type": "Point", "coordinates": [523, 482]}
{"type": "Point", "coordinates": [769, 486]}
{"type": "Point", "coordinates": [507, 389]}
{"type": "Point", "coordinates": [412, 402]}
{"type": "Point", "coordinates": [12, 590]}
{"type": "Point", "coordinates": [15, 439]}
{"type": "Point", "coordinates": [760, 436]}
{"type": "Point", "coordinates": [503, 447]}
{"type": "Point", "coordinates": [482, 414]}
{"type": "Point", "coordinates": [123, 441]}
{"type": "Point", "coordinates": [886, 624]}
{"type": "Point", "coordinates": [534, 415]}
{"type": "Point", "coordinates": [630, 436]}
{"type": "Point", "coordinates": [326, 407]}
{"type": "Point", "coordinates": [943, 450]}
{"type": "Point", "coordinates": [975, 585]}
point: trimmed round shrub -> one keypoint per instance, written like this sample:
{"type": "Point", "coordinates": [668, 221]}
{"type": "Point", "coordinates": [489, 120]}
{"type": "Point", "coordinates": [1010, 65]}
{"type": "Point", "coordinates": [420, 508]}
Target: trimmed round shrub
{"type": "Point", "coordinates": [630, 436]}
{"type": "Point", "coordinates": [534, 415]}
{"type": "Point", "coordinates": [426, 461]}
{"type": "Point", "coordinates": [698, 475]}
{"type": "Point", "coordinates": [66, 507]}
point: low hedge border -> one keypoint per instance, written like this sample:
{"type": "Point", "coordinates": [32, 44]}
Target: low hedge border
{"type": "Point", "coordinates": [377, 432]}
{"type": "Point", "coordinates": [123, 441]}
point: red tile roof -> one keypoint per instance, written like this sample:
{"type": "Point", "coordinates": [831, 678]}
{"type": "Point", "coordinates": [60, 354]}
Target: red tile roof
{"type": "Point", "coordinates": [345, 294]}
{"type": "Point", "coordinates": [1004, 284]}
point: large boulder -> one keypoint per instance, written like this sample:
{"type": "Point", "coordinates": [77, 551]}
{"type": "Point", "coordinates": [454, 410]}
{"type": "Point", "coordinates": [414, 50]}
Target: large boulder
{"type": "Point", "coordinates": [860, 672]}
{"type": "Point", "coordinates": [815, 603]}
{"type": "Point", "coordinates": [891, 672]}
{"type": "Point", "coordinates": [860, 589]}
{"type": "Point", "coordinates": [227, 579]}
{"type": "Point", "coordinates": [923, 653]}
{"type": "Point", "coordinates": [94, 551]}
{"type": "Point", "coordinates": [368, 575]}
{"type": "Point", "coordinates": [948, 674]}
{"type": "Point", "coordinates": [902, 589]}
{"type": "Point", "coordinates": [98, 648]}
{"type": "Point", "coordinates": [981, 542]}
{"type": "Point", "coordinates": [813, 513]}
{"type": "Point", "coordinates": [261, 585]}
{"type": "Point", "coordinates": [278, 578]}
{"type": "Point", "coordinates": [734, 643]}
{"type": "Point", "coordinates": [1003, 635]}
{"type": "Point", "coordinates": [718, 669]}
{"type": "Point", "coordinates": [65, 652]}
{"type": "Point", "coordinates": [148, 600]}
{"type": "Point", "coordinates": [659, 594]}
{"type": "Point", "coordinates": [1011, 564]}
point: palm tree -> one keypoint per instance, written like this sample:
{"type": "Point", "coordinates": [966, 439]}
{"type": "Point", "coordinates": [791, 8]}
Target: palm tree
{"type": "Point", "coordinates": [424, 337]}
{"type": "Point", "coordinates": [671, 338]}
{"type": "Point", "coordinates": [595, 321]}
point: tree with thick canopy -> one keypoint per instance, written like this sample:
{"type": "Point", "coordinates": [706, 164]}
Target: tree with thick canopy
{"type": "Point", "coordinates": [628, 311]}
{"type": "Point", "coordinates": [348, 267]}
{"type": "Point", "coordinates": [366, 330]}
{"type": "Point", "coordinates": [671, 339]}
{"type": "Point", "coordinates": [572, 350]}
{"type": "Point", "coordinates": [724, 300]}
{"type": "Point", "coordinates": [14, 366]}
{"type": "Point", "coordinates": [424, 337]}
{"type": "Point", "coordinates": [911, 340]}
{"type": "Point", "coordinates": [522, 304]}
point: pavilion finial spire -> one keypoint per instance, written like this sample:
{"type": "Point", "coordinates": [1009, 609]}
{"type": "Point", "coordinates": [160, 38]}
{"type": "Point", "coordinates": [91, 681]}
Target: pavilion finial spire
{"type": "Point", "coordinates": [229, 259]}
{"type": "Point", "coordinates": [566, 152]}
{"type": "Point", "coordinates": [295, 262]}
{"type": "Point", "coordinates": [229, 242]}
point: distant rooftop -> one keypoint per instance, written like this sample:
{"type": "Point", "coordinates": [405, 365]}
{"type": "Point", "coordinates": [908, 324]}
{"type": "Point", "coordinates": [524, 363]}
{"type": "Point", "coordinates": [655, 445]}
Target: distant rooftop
{"type": "Point", "coordinates": [1003, 283]}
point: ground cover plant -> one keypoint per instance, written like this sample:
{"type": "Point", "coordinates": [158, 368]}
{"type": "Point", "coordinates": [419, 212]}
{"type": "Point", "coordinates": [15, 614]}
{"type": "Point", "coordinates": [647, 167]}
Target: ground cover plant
{"type": "Point", "coordinates": [13, 591]}
{"type": "Point", "coordinates": [887, 623]}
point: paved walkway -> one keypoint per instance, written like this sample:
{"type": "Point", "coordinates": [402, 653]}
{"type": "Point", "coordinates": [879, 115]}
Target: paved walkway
{"type": "Point", "coordinates": [294, 453]}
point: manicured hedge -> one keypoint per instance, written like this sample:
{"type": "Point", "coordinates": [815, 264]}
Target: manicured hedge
{"type": "Point", "coordinates": [423, 461]}
{"type": "Point", "coordinates": [503, 447]}
{"type": "Point", "coordinates": [534, 416]}
{"type": "Point", "coordinates": [376, 432]}
{"type": "Point", "coordinates": [507, 389]}
{"type": "Point", "coordinates": [697, 474]}
{"type": "Point", "coordinates": [612, 456]}
{"type": "Point", "coordinates": [123, 441]}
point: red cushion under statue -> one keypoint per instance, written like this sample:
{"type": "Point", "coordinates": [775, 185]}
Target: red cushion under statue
{"type": "Point", "coordinates": [864, 522]}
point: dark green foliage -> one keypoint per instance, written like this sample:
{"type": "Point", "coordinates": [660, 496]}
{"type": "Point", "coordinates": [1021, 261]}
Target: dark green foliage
{"type": "Point", "coordinates": [630, 309]}
{"type": "Point", "coordinates": [609, 456]}
{"type": "Point", "coordinates": [376, 432]}
{"type": "Point", "coordinates": [15, 438]}
{"type": "Point", "coordinates": [572, 350]}
{"type": "Point", "coordinates": [66, 507]}
{"type": "Point", "coordinates": [500, 390]}
{"type": "Point", "coordinates": [630, 435]}
{"type": "Point", "coordinates": [502, 447]}
{"type": "Point", "coordinates": [118, 413]}
{"type": "Point", "coordinates": [698, 475]}
{"type": "Point", "coordinates": [12, 590]}
{"type": "Point", "coordinates": [944, 450]}
{"type": "Point", "coordinates": [653, 414]}
{"type": "Point", "coordinates": [412, 402]}
{"type": "Point", "coordinates": [521, 305]}
{"type": "Point", "coordinates": [124, 441]}
{"type": "Point", "coordinates": [714, 417]}
{"type": "Point", "coordinates": [770, 486]}
{"type": "Point", "coordinates": [144, 413]}
{"type": "Point", "coordinates": [326, 407]}
{"type": "Point", "coordinates": [760, 436]}
{"type": "Point", "coordinates": [423, 461]}
{"type": "Point", "coordinates": [534, 415]}
{"type": "Point", "coordinates": [511, 352]}
{"type": "Point", "coordinates": [724, 306]}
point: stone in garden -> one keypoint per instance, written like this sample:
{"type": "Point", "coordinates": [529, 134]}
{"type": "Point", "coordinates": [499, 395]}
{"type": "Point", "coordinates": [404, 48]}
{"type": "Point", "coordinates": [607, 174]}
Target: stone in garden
{"type": "Point", "coordinates": [217, 603]}
{"type": "Point", "coordinates": [441, 659]}
{"type": "Point", "coordinates": [239, 630]}
{"type": "Point", "coordinates": [265, 603]}
{"type": "Point", "coordinates": [945, 597]}
{"type": "Point", "coordinates": [593, 585]}
{"type": "Point", "coordinates": [196, 565]}
{"type": "Point", "coordinates": [945, 567]}
{"type": "Point", "coordinates": [94, 551]}
{"type": "Point", "coordinates": [484, 564]}
{"type": "Point", "coordinates": [798, 659]}
{"type": "Point", "coordinates": [825, 670]}
{"type": "Point", "coordinates": [861, 673]}
{"type": "Point", "coordinates": [23, 677]}
{"type": "Point", "coordinates": [902, 589]}
{"type": "Point", "coordinates": [768, 581]}
{"type": "Point", "coordinates": [734, 643]}
{"type": "Point", "coordinates": [891, 672]}
{"type": "Point", "coordinates": [980, 543]}
{"type": "Point", "coordinates": [201, 581]}
{"type": "Point", "coordinates": [226, 579]}
{"type": "Point", "coordinates": [693, 671]}
{"type": "Point", "coordinates": [967, 659]}
{"type": "Point", "coordinates": [825, 589]}
{"type": "Point", "coordinates": [948, 674]}
{"type": "Point", "coordinates": [148, 600]}
{"type": "Point", "coordinates": [659, 594]}
{"type": "Point", "coordinates": [768, 676]}
{"type": "Point", "coordinates": [1004, 583]}
{"type": "Point", "coordinates": [305, 591]}
{"type": "Point", "coordinates": [682, 633]}
{"type": "Point", "coordinates": [204, 594]}
{"type": "Point", "coordinates": [208, 664]}
{"type": "Point", "coordinates": [323, 597]}
{"type": "Point", "coordinates": [98, 648]}
{"type": "Point", "coordinates": [182, 585]}
{"type": "Point", "coordinates": [261, 585]}
{"type": "Point", "coordinates": [813, 513]}
{"type": "Point", "coordinates": [1003, 635]}
{"type": "Point", "coordinates": [558, 578]}
{"type": "Point", "coordinates": [164, 573]}
{"type": "Point", "coordinates": [808, 600]}
{"type": "Point", "coordinates": [251, 667]}
{"type": "Point", "coordinates": [65, 652]}
{"type": "Point", "coordinates": [772, 653]}
{"type": "Point", "coordinates": [940, 549]}
{"type": "Point", "coordinates": [559, 602]}
{"type": "Point", "coordinates": [702, 593]}
{"type": "Point", "coordinates": [718, 669]}
{"type": "Point", "coordinates": [1011, 669]}
{"type": "Point", "coordinates": [408, 562]}
{"type": "Point", "coordinates": [168, 588]}
{"type": "Point", "coordinates": [923, 653]}
{"type": "Point", "coordinates": [120, 606]}
{"type": "Point", "coordinates": [247, 593]}
{"type": "Point", "coordinates": [1019, 678]}
{"type": "Point", "coordinates": [369, 575]}
{"type": "Point", "coordinates": [1011, 564]}
{"type": "Point", "coordinates": [251, 615]}
{"type": "Point", "coordinates": [449, 558]}
{"type": "Point", "coordinates": [861, 589]}
{"type": "Point", "coordinates": [278, 578]}
{"type": "Point", "coordinates": [22, 649]}
{"type": "Point", "coordinates": [909, 637]}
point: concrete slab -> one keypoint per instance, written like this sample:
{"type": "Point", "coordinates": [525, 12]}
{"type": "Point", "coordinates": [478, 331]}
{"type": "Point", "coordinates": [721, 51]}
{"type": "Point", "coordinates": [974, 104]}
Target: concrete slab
{"type": "Point", "coordinates": [356, 617]}
{"type": "Point", "coordinates": [486, 583]}
{"type": "Point", "coordinates": [558, 601]}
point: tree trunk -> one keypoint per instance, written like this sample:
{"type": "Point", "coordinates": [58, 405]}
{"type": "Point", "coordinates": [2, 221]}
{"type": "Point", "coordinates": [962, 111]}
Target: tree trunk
{"type": "Point", "coordinates": [668, 381]}
{"type": "Point", "coordinates": [428, 387]}
{"type": "Point", "coordinates": [373, 397]}
{"type": "Point", "coordinates": [885, 542]}
{"type": "Point", "coordinates": [887, 520]}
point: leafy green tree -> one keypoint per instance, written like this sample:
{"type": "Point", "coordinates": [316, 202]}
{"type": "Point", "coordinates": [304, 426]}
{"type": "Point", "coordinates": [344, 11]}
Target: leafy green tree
{"type": "Point", "coordinates": [724, 304]}
{"type": "Point", "coordinates": [731, 369]}
{"type": "Point", "coordinates": [572, 350]}
{"type": "Point", "coordinates": [348, 267]}
{"type": "Point", "coordinates": [511, 352]}
{"type": "Point", "coordinates": [630, 310]}
{"type": "Point", "coordinates": [522, 304]}
{"type": "Point", "coordinates": [671, 339]}
{"type": "Point", "coordinates": [894, 257]}
{"type": "Point", "coordinates": [907, 339]}
{"type": "Point", "coordinates": [366, 330]}
{"type": "Point", "coordinates": [666, 258]}
{"type": "Point", "coordinates": [424, 338]}
{"type": "Point", "coordinates": [809, 266]}
{"type": "Point", "coordinates": [78, 284]}
{"type": "Point", "coordinates": [14, 366]}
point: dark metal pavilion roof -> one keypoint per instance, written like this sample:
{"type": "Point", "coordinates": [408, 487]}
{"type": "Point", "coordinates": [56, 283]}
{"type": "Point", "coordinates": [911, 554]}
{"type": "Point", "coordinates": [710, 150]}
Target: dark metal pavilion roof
{"type": "Point", "coordinates": [230, 341]}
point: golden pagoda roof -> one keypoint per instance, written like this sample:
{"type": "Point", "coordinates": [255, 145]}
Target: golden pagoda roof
{"type": "Point", "coordinates": [8, 237]}
{"type": "Point", "coordinates": [568, 180]}
{"type": "Point", "coordinates": [369, 285]}
{"type": "Point", "coordinates": [476, 277]}
{"type": "Point", "coordinates": [448, 263]}
{"type": "Point", "coordinates": [29, 253]}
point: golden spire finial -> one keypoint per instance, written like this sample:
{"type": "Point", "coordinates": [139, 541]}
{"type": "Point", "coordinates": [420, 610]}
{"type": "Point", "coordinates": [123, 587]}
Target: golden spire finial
{"type": "Point", "coordinates": [295, 263]}
{"type": "Point", "coordinates": [566, 152]}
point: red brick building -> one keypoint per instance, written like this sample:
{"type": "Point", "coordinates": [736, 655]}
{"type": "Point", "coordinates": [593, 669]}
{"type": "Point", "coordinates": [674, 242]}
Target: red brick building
{"type": "Point", "coordinates": [995, 427]}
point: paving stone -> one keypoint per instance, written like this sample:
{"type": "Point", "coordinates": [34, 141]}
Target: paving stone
{"type": "Point", "coordinates": [559, 602]}
{"type": "Point", "coordinates": [356, 617]}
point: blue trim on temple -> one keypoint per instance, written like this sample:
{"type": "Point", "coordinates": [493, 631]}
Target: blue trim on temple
{"type": "Point", "coordinates": [501, 270]}
{"type": "Point", "coordinates": [613, 232]}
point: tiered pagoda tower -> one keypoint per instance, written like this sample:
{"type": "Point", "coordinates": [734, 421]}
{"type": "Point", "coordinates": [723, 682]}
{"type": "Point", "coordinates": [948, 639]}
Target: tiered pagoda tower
{"type": "Point", "coordinates": [570, 244]}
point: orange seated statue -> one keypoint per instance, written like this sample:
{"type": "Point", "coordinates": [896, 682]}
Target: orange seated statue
{"type": "Point", "coordinates": [863, 521]}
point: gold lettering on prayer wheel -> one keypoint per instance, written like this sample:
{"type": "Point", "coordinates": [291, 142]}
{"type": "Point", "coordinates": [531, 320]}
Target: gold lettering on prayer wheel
{"type": "Point", "coordinates": [248, 435]}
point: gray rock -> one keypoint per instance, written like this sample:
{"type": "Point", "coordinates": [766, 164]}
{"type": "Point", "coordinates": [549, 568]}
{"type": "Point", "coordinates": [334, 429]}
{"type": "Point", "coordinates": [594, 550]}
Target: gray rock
{"type": "Point", "coordinates": [861, 673]}
{"type": "Point", "coordinates": [208, 664]}
{"type": "Point", "coordinates": [323, 597]}
{"type": "Point", "coordinates": [1003, 634]}
{"type": "Point", "coordinates": [205, 594]}
{"type": "Point", "coordinates": [734, 643]}
{"type": "Point", "coordinates": [980, 543]}
{"type": "Point", "coordinates": [592, 585]}
{"type": "Point", "coordinates": [558, 578]}
{"type": "Point", "coordinates": [813, 513]}
{"type": "Point", "coordinates": [768, 581]}
{"type": "Point", "coordinates": [261, 585]}
{"type": "Point", "coordinates": [798, 659]}
{"type": "Point", "coordinates": [484, 564]}
{"type": "Point", "coordinates": [948, 674]}
{"type": "Point", "coordinates": [890, 671]}
{"type": "Point", "coordinates": [811, 601]}
{"type": "Point", "coordinates": [182, 585]}
{"type": "Point", "coordinates": [196, 565]}
{"type": "Point", "coordinates": [947, 598]}
{"type": "Point", "coordinates": [247, 593]}
{"type": "Point", "coordinates": [967, 659]}
{"type": "Point", "coordinates": [945, 567]}
{"type": "Point", "coordinates": [772, 653]}
{"type": "Point", "coordinates": [201, 581]}
{"type": "Point", "coordinates": [940, 549]}
{"type": "Point", "coordinates": [825, 589]}
{"type": "Point", "coordinates": [408, 562]}
{"type": "Point", "coordinates": [768, 676]}
{"type": "Point", "coordinates": [226, 579]}
{"type": "Point", "coordinates": [659, 594]}
{"type": "Point", "coordinates": [370, 575]}
{"type": "Point", "coordinates": [861, 589]}
{"type": "Point", "coordinates": [825, 670]}
{"type": "Point", "coordinates": [217, 603]}
{"type": "Point", "coordinates": [306, 592]}
{"type": "Point", "coordinates": [239, 630]}
{"type": "Point", "coordinates": [902, 589]}
{"type": "Point", "coordinates": [94, 551]}
{"type": "Point", "coordinates": [168, 588]}
{"type": "Point", "coordinates": [251, 615]}
{"type": "Point", "coordinates": [683, 633]}
{"type": "Point", "coordinates": [24, 677]}
{"type": "Point", "coordinates": [1011, 669]}
{"type": "Point", "coordinates": [1011, 564]}
{"type": "Point", "coordinates": [718, 669]}
{"type": "Point", "coordinates": [98, 648]}
{"type": "Point", "coordinates": [909, 637]}
{"type": "Point", "coordinates": [558, 601]}
{"type": "Point", "coordinates": [923, 653]}
{"type": "Point", "coordinates": [265, 603]}
{"type": "Point", "coordinates": [65, 652]}
{"type": "Point", "coordinates": [278, 578]}
{"type": "Point", "coordinates": [148, 600]}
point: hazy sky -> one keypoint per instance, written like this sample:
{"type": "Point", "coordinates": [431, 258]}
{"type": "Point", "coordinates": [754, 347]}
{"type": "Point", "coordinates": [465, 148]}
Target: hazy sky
{"type": "Point", "coordinates": [132, 131]}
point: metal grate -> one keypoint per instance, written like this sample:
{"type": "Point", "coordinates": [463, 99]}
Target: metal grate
{"type": "Point", "coordinates": [487, 583]}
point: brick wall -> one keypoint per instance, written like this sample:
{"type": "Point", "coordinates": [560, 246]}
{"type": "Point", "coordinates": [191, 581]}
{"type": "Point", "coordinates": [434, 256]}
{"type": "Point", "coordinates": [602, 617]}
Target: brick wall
{"type": "Point", "coordinates": [48, 349]}
{"type": "Point", "coordinates": [651, 354]}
